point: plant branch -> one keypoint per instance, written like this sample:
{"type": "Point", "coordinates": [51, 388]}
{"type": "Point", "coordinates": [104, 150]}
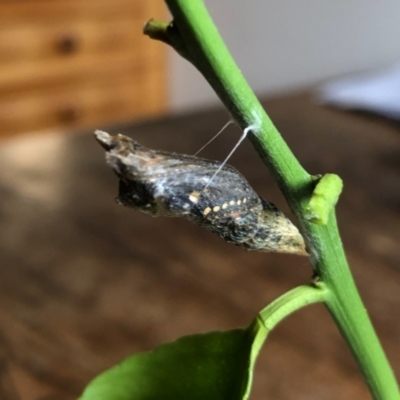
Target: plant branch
{"type": "Point", "coordinates": [287, 304]}
{"type": "Point", "coordinates": [282, 307]}
{"type": "Point", "coordinates": [194, 35]}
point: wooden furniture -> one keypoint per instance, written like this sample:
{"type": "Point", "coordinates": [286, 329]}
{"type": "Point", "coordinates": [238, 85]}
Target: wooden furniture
{"type": "Point", "coordinates": [78, 63]}
{"type": "Point", "coordinates": [85, 282]}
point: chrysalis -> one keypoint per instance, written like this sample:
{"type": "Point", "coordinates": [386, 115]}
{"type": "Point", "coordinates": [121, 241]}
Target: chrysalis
{"type": "Point", "coordinates": [161, 183]}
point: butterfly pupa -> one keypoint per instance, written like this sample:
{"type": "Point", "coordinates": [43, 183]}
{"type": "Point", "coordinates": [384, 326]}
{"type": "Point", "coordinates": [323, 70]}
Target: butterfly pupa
{"type": "Point", "coordinates": [162, 183]}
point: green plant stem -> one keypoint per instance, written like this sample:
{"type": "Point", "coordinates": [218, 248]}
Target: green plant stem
{"type": "Point", "coordinates": [285, 305]}
{"type": "Point", "coordinates": [279, 309]}
{"type": "Point", "coordinates": [194, 30]}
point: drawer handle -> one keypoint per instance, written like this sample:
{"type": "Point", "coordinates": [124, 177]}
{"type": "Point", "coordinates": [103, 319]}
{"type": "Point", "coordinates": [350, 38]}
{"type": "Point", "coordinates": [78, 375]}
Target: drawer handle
{"type": "Point", "coordinates": [67, 43]}
{"type": "Point", "coordinates": [68, 114]}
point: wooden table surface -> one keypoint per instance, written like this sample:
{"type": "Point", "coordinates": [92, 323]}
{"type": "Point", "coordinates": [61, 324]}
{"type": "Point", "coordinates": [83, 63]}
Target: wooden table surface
{"type": "Point", "coordinates": [85, 282]}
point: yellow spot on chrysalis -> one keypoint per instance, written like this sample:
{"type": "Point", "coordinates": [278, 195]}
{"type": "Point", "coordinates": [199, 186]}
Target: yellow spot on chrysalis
{"type": "Point", "coordinates": [239, 202]}
{"type": "Point", "coordinates": [225, 205]}
{"type": "Point", "coordinates": [206, 210]}
{"type": "Point", "coordinates": [194, 197]}
{"type": "Point", "coordinates": [244, 200]}
{"type": "Point", "coordinates": [216, 208]}
{"type": "Point", "coordinates": [231, 202]}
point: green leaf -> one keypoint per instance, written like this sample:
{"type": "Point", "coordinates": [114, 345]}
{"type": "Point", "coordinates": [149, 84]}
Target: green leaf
{"type": "Point", "coordinates": [211, 366]}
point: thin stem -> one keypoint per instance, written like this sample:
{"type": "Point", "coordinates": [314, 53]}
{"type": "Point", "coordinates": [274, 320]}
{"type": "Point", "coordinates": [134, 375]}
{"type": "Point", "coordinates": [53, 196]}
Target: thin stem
{"type": "Point", "coordinates": [282, 307]}
{"type": "Point", "coordinates": [194, 35]}
{"type": "Point", "coordinates": [290, 302]}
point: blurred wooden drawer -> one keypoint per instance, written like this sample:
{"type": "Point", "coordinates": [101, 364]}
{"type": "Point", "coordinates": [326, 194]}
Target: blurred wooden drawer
{"type": "Point", "coordinates": [86, 104]}
{"type": "Point", "coordinates": [85, 60]}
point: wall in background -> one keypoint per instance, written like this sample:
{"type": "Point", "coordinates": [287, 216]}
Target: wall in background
{"type": "Point", "coordinates": [282, 45]}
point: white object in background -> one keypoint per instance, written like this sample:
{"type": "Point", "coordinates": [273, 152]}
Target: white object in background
{"type": "Point", "coordinates": [377, 92]}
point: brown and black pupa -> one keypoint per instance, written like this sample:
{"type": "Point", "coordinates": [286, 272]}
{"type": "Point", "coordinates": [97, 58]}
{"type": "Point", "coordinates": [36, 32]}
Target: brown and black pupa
{"type": "Point", "coordinates": [162, 183]}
